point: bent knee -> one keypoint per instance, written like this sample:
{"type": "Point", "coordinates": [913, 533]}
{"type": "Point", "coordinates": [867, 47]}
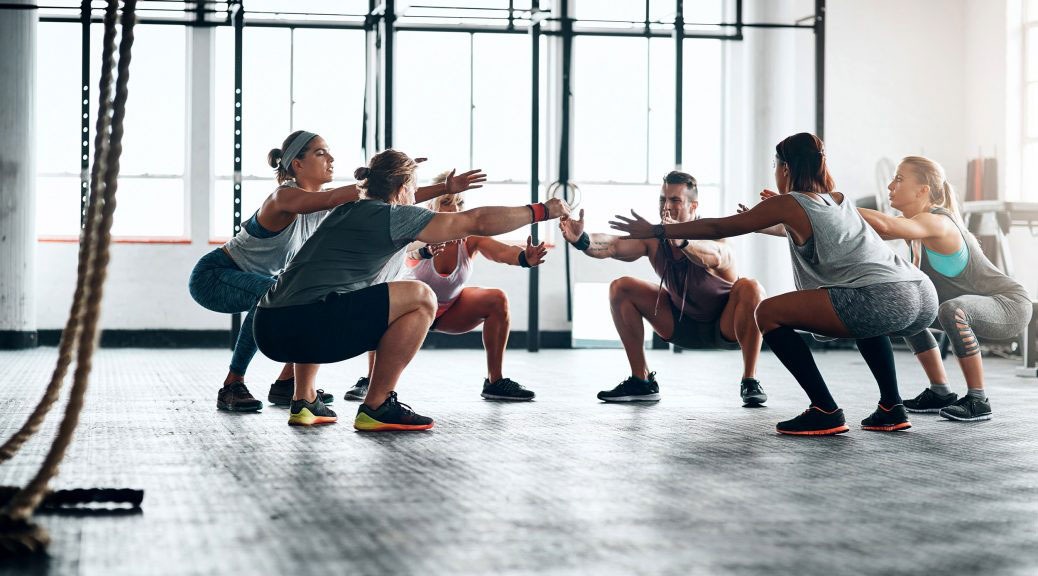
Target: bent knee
{"type": "Point", "coordinates": [497, 301]}
{"type": "Point", "coordinates": [418, 294]}
{"type": "Point", "coordinates": [619, 287]}
{"type": "Point", "coordinates": [766, 316]}
{"type": "Point", "coordinates": [749, 290]}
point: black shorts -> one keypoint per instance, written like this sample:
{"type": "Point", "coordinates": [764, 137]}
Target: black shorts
{"type": "Point", "coordinates": [696, 335]}
{"type": "Point", "coordinates": [338, 327]}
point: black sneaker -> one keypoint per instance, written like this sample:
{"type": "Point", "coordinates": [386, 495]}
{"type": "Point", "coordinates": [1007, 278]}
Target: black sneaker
{"type": "Point", "coordinates": [505, 389]}
{"type": "Point", "coordinates": [391, 415]}
{"type": "Point", "coordinates": [930, 401]}
{"type": "Point", "coordinates": [814, 422]}
{"type": "Point", "coordinates": [633, 390]}
{"type": "Point", "coordinates": [751, 392]}
{"type": "Point", "coordinates": [359, 390]}
{"type": "Point", "coordinates": [281, 393]}
{"type": "Point", "coordinates": [235, 397]}
{"type": "Point", "coordinates": [887, 419]}
{"type": "Point", "coordinates": [968, 409]}
{"type": "Point", "coordinates": [303, 413]}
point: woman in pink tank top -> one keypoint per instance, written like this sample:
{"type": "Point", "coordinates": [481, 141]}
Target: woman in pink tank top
{"type": "Point", "coordinates": [446, 268]}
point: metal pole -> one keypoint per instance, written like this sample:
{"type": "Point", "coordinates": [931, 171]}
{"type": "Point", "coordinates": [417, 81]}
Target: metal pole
{"type": "Point", "coordinates": [388, 45]}
{"type": "Point", "coordinates": [239, 26]}
{"type": "Point", "coordinates": [820, 68]}
{"type": "Point", "coordinates": [84, 145]}
{"type": "Point", "coordinates": [564, 176]}
{"type": "Point", "coordinates": [533, 330]}
{"type": "Point", "coordinates": [679, 78]}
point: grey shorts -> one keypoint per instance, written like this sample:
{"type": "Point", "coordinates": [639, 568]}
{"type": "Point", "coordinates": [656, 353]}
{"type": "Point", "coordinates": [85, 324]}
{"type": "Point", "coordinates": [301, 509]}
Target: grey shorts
{"type": "Point", "coordinates": [888, 309]}
{"type": "Point", "coordinates": [696, 335]}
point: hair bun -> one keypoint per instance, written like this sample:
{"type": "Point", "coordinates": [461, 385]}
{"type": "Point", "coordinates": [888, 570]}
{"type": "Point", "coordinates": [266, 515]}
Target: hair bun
{"type": "Point", "coordinates": [274, 157]}
{"type": "Point", "coordinates": [361, 173]}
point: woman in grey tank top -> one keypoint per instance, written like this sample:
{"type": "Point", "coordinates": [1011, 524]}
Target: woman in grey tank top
{"type": "Point", "coordinates": [233, 278]}
{"type": "Point", "coordinates": [849, 283]}
{"type": "Point", "coordinates": [977, 300]}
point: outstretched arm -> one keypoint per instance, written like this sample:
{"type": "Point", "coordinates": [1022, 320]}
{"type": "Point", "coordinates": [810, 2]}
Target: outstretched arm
{"type": "Point", "coordinates": [488, 221]}
{"type": "Point", "coordinates": [531, 255]}
{"type": "Point", "coordinates": [764, 215]}
{"type": "Point", "coordinates": [601, 246]}
{"type": "Point", "coordinates": [920, 227]}
{"type": "Point", "coordinates": [290, 200]}
{"type": "Point", "coordinates": [454, 184]}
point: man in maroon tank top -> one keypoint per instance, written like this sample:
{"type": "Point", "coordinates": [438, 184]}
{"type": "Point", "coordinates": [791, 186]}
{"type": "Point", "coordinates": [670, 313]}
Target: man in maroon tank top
{"type": "Point", "coordinates": [701, 302]}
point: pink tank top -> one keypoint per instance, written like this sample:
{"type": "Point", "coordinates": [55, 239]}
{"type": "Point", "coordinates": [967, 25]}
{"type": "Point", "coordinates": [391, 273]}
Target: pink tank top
{"type": "Point", "coordinates": [446, 287]}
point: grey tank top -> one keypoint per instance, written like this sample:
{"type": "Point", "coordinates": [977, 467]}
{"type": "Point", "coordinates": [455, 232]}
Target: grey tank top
{"type": "Point", "coordinates": [269, 256]}
{"type": "Point", "coordinates": [980, 277]}
{"type": "Point", "coordinates": [843, 251]}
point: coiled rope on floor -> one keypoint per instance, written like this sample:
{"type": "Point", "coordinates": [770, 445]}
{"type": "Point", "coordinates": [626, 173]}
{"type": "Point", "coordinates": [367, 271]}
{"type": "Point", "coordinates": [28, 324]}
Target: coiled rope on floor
{"type": "Point", "coordinates": [18, 534]}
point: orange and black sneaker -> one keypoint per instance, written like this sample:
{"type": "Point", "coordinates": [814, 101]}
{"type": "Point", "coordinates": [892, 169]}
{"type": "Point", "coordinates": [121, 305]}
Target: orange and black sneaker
{"type": "Point", "coordinates": [303, 413]}
{"type": "Point", "coordinates": [814, 422]}
{"type": "Point", "coordinates": [391, 415]}
{"type": "Point", "coordinates": [887, 419]}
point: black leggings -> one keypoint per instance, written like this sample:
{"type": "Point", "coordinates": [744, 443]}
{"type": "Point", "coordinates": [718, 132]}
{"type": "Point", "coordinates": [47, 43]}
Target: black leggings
{"type": "Point", "coordinates": [334, 329]}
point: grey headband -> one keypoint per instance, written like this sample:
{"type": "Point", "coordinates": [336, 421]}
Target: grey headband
{"type": "Point", "coordinates": [295, 147]}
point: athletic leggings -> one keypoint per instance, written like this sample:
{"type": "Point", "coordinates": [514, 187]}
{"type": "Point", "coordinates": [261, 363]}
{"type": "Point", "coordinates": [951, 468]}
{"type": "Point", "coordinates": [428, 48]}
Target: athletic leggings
{"type": "Point", "coordinates": [870, 314]}
{"type": "Point", "coordinates": [969, 317]}
{"type": "Point", "coordinates": [219, 285]}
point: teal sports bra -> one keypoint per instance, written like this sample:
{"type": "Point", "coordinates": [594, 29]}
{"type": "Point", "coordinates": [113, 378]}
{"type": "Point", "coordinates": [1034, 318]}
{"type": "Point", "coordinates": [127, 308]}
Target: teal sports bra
{"type": "Point", "coordinates": [950, 265]}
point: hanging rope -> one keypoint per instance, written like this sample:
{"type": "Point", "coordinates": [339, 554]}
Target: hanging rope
{"type": "Point", "coordinates": [17, 532]}
{"type": "Point", "coordinates": [87, 244]}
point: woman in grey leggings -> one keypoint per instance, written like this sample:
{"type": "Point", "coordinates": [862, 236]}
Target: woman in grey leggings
{"type": "Point", "coordinates": [977, 300]}
{"type": "Point", "coordinates": [849, 283]}
{"type": "Point", "coordinates": [233, 278]}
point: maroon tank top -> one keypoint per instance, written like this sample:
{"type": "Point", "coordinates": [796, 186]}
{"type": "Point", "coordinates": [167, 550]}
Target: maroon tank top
{"type": "Point", "coordinates": [693, 290]}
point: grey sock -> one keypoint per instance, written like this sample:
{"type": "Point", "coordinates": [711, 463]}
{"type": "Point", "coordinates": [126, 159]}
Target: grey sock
{"type": "Point", "coordinates": [941, 388]}
{"type": "Point", "coordinates": [977, 393]}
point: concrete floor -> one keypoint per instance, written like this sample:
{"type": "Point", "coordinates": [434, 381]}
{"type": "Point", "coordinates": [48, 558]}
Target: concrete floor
{"type": "Point", "coordinates": [564, 485]}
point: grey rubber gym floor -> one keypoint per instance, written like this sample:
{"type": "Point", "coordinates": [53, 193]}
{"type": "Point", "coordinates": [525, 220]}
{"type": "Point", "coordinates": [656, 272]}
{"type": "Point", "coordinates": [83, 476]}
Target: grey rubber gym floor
{"type": "Point", "coordinates": [693, 485]}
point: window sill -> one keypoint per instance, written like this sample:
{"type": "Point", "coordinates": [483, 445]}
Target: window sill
{"type": "Point", "coordinates": [115, 240]}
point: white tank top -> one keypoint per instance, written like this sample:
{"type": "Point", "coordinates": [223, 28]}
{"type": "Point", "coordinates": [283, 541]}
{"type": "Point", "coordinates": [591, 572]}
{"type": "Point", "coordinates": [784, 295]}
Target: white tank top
{"type": "Point", "coordinates": [447, 287]}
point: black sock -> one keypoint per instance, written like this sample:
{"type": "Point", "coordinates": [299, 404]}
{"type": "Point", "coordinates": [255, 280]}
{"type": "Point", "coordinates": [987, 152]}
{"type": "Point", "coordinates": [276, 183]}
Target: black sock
{"type": "Point", "coordinates": [797, 358]}
{"type": "Point", "coordinates": [291, 379]}
{"type": "Point", "coordinates": [880, 357]}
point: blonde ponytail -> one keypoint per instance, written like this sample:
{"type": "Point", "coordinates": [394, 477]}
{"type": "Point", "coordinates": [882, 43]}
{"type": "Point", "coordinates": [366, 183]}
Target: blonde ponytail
{"type": "Point", "coordinates": [932, 174]}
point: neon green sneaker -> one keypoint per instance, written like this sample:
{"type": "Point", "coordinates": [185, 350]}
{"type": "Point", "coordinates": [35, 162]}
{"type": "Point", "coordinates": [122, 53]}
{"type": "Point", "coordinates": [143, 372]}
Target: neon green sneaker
{"type": "Point", "coordinates": [303, 413]}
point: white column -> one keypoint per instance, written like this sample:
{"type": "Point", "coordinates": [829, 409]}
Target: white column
{"type": "Point", "coordinates": [201, 103]}
{"type": "Point", "coordinates": [18, 176]}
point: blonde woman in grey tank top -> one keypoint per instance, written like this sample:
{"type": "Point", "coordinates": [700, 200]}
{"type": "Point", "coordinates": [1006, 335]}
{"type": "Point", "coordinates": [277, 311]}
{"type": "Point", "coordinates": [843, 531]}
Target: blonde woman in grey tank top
{"type": "Point", "coordinates": [849, 283]}
{"type": "Point", "coordinates": [977, 300]}
{"type": "Point", "coordinates": [233, 278]}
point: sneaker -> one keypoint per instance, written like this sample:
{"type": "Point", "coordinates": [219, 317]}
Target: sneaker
{"type": "Point", "coordinates": [505, 389]}
{"type": "Point", "coordinates": [751, 392]}
{"type": "Point", "coordinates": [281, 393]}
{"type": "Point", "coordinates": [633, 390]}
{"type": "Point", "coordinates": [814, 422]}
{"type": "Point", "coordinates": [235, 397]}
{"type": "Point", "coordinates": [303, 413]}
{"type": "Point", "coordinates": [391, 415]}
{"type": "Point", "coordinates": [359, 390]}
{"type": "Point", "coordinates": [887, 419]}
{"type": "Point", "coordinates": [968, 409]}
{"type": "Point", "coordinates": [930, 401]}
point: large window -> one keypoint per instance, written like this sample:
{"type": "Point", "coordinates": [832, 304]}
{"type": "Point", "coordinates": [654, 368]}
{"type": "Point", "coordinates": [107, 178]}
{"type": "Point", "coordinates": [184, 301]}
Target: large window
{"type": "Point", "coordinates": [1029, 131]}
{"type": "Point", "coordinates": [459, 104]}
{"type": "Point", "coordinates": [624, 123]}
{"type": "Point", "coordinates": [292, 79]}
{"type": "Point", "coordinates": [151, 177]}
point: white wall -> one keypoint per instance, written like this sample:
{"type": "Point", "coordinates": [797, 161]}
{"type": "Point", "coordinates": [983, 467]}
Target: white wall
{"type": "Point", "coordinates": [926, 76]}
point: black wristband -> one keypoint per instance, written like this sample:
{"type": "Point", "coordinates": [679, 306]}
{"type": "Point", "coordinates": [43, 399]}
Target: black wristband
{"type": "Point", "coordinates": [425, 253]}
{"type": "Point", "coordinates": [522, 260]}
{"type": "Point", "coordinates": [659, 231]}
{"type": "Point", "coordinates": [684, 244]}
{"type": "Point", "coordinates": [583, 242]}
